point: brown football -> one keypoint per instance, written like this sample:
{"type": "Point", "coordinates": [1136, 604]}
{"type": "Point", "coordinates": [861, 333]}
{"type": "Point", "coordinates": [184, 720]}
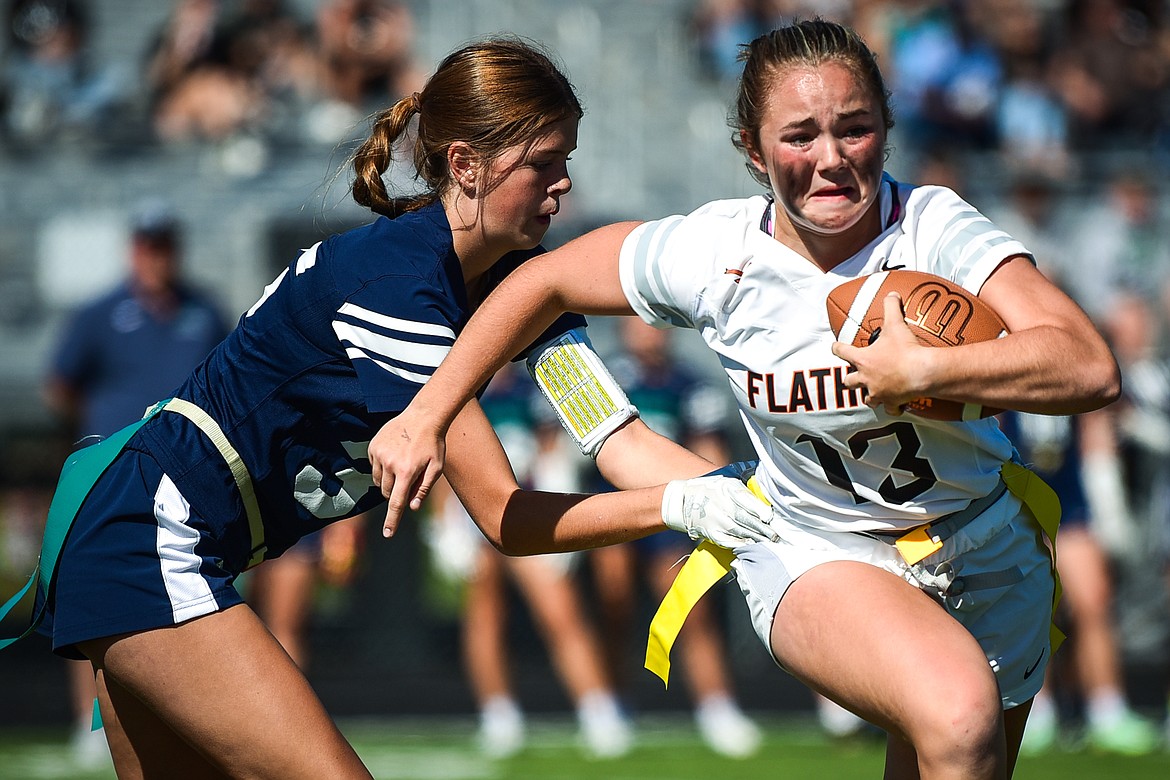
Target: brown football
{"type": "Point", "coordinates": [938, 311]}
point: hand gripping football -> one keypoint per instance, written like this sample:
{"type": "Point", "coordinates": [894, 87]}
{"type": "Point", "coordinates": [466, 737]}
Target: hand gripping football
{"type": "Point", "coordinates": [938, 311]}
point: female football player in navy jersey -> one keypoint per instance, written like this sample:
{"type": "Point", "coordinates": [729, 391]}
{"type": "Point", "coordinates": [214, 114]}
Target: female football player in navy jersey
{"type": "Point", "coordinates": [911, 583]}
{"type": "Point", "coordinates": [267, 440]}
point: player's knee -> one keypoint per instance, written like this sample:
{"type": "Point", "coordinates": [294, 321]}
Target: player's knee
{"type": "Point", "coordinates": [961, 722]}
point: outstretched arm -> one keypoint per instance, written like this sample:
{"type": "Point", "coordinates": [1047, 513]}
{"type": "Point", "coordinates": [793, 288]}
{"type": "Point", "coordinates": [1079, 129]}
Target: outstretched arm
{"type": "Point", "coordinates": [582, 276]}
{"type": "Point", "coordinates": [636, 456]}
{"type": "Point", "coordinates": [527, 522]}
{"type": "Point", "coordinates": [522, 522]}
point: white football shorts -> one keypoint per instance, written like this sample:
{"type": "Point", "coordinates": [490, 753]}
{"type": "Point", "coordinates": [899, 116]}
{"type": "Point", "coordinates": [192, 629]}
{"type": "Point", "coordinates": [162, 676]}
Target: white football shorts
{"type": "Point", "coordinates": [994, 575]}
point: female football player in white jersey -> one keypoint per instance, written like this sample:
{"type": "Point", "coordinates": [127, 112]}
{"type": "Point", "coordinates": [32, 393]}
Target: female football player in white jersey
{"type": "Point", "coordinates": [943, 644]}
{"type": "Point", "coordinates": [267, 440]}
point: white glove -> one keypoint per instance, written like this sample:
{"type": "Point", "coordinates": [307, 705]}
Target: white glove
{"type": "Point", "coordinates": [717, 508]}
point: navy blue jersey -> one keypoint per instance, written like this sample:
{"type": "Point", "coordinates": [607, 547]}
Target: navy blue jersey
{"type": "Point", "coordinates": [337, 345]}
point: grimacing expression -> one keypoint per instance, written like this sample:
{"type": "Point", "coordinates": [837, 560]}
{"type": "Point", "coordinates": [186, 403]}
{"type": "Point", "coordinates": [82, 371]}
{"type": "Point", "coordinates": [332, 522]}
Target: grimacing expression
{"type": "Point", "coordinates": [822, 145]}
{"type": "Point", "coordinates": [529, 181]}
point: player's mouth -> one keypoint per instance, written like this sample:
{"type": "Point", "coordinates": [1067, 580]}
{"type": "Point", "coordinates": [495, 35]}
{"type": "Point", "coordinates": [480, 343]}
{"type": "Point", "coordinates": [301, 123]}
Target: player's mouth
{"type": "Point", "coordinates": [546, 218]}
{"type": "Point", "coordinates": [833, 192]}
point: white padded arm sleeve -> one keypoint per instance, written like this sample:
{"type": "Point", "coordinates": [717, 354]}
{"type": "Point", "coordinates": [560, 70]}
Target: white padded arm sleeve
{"type": "Point", "coordinates": [587, 400]}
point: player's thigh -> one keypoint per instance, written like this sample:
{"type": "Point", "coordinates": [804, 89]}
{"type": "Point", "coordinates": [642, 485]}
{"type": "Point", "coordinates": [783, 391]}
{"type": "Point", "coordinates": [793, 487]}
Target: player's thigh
{"type": "Point", "coordinates": [223, 684]}
{"type": "Point", "coordinates": [142, 745]}
{"type": "Point", "coordinates": [880, 646]}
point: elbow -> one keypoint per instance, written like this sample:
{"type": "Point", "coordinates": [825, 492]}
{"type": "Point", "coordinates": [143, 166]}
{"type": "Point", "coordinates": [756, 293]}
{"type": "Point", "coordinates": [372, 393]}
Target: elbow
{"type": "Point", "coordinates": [504, 526]}
{"type": "Point", "coordinates": [1112, 390]}
{"type": "Point", "coordinates": [1102, 383]}
{"type": "Point", "coordinates": [492, 534]}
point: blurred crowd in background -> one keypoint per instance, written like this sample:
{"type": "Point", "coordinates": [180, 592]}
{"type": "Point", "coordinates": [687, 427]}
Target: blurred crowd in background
{"type": "Point", "coordinates": [1051, 116]}
{"type": "Point", "coordinates": [214, 70]}
{"type": "Point", "coordinates": [1041, 81]}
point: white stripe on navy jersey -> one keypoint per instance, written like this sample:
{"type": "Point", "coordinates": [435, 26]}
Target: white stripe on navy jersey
{"type": "Point", "coordinates": [411, 376]}
{"type": "Point", "coordinates": [397, 349]}
{"type": "Point", "coordinates": [396, 323]}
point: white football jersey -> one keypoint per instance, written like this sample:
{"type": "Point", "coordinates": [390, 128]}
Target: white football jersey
{"type": "Point", "coordinates": [826, 459]}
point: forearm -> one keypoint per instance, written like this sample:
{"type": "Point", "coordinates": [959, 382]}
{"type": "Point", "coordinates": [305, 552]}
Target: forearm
{"type": "Point", "coordinates": [581, 276]}
{"type": "Point", "coordinates": [1046, 370]}
{"type": "Point", "coordinates": [521, 522]}
{"type": "Point", "coordinates": [532, 522]}
{"type": "Point", "coordinates": [635, 456]}
{"type": "Point", "coordinates": [1054, 361]}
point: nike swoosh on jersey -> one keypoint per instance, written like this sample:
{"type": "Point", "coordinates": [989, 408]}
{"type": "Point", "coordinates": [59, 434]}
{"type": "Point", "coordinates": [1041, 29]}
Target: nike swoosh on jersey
{"type": "Point", "coordinates": [887, 267]}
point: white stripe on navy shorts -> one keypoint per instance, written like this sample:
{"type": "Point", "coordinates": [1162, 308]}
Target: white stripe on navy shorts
{"type": "Point", "coordinates": [139, 558]}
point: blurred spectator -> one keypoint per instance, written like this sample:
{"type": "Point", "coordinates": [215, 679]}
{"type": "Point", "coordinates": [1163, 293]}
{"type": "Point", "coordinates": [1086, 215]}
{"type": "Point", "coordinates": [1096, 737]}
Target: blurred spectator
{"type": "Point", "coordinates": [216, 76]}
{"type": "Point", "coordinates": [50, 85]}
{"type": "Point", "coordinates": [1077, 457]}
{"type": "Point", "coordinates": [720, 27]}
{"type": "Point", "coordinates": [1034, 211]}
{"type": "Point", "coordinates": [367, 51]}
{"type": "Point", "coordinates": [1112, 72]}
{"type": "Point", "coordinates": [195, 91]}
{"type": "Point", "coordinates": [119, 354]}
{"type": "Point", "coordinates": [1031, 121]}
{"type": "Point", "coordinates": [135, 344]}
{"type": "Point", "coordinates": [543, 459]}
{"type": "Point", "coordinates": [944, 73]}
{"type": "Point", "coordinates": [277, 52]}
{"type": "Point", "coordinates": [1133, 324]}
{"type": "Point", "coordinates": [674, 403]}
{"type": "Point", "coordinates": [1121, 243]}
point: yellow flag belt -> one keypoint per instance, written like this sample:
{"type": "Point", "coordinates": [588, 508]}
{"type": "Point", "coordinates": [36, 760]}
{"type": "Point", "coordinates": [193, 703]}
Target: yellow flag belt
{"type": "Point", "coordinates": [710, 563]}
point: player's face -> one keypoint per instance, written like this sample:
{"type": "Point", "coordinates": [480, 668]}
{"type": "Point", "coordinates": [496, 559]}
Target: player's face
{"type": "Point", "coordinates": [822, 145]}
{"type": "Point", "coordinates": [532, 179]}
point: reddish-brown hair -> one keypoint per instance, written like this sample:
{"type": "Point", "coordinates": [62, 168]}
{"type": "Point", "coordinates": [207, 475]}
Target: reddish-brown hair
{"type": "Point", "coordinates": [493, 95]}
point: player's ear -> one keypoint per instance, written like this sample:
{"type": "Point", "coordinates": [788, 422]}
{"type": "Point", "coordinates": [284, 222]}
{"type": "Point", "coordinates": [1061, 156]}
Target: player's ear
{"type": "Point", "coordinates": [753, 153]}
{"type": "Point", "coordinates": [462, 161]}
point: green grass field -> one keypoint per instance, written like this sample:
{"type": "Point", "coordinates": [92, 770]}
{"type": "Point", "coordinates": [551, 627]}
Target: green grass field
{"type": "Point", "coordinates": [667, 749]}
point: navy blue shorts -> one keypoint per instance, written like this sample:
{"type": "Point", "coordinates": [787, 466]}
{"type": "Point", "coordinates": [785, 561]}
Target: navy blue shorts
{"type": "Point", "coordinates": [137, 558]}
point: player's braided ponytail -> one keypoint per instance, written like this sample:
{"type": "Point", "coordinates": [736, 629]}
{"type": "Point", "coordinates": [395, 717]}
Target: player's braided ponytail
{"type": "Point", "coordinates": [493, 95]}
{"type": "Point", "coordinates": [373, 158]}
